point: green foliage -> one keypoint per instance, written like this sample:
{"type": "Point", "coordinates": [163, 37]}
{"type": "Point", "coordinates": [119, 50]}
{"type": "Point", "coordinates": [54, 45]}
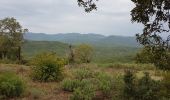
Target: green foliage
{"type": "Point", "coordinates": [88, 5]}
{"type": "Point", "coordinates": [144, 56]}
{"type": "Point", "coordinates": [70, 85]}
{"type": "Point", "coordinates": [82, 86]}
{"type": "Point", "coordinates": [162, 60]}
{"type": "Point", "coordinates": [11, 85]}
{"type": "Point", "coordinates": [154, 15]}
{"type": "Point", "coordinates": [84, 53]}
{"type": "Point", "coordinates": [158, 56]}
{"type": "Point", "coordinates": [11, 34]}
{"type": "Point", "coordinates": [141, 89]}
{"type": "Point", "coordinates": [86, 91]}
{"type": "Point", "coordinates": [47, 67]}
{"type": "Point", "coordinates": [31, 48]}
{"type": "Point", "coordinates": [129, 88]}
{"type": "Point", "coordinates": [87, 83]}
{"type": "Point", "coordinates": [102, 54]}
{"type": "Point", "coordinates": [165, 89]}
{"type": "Point", "coordinates": [83, 73]}
{"type": "Point", "coordinates": [147, 88]}
{"type": "Point", "coordinates": [105, 84]}
{"type": "Point", "coordinates": [82, 89]}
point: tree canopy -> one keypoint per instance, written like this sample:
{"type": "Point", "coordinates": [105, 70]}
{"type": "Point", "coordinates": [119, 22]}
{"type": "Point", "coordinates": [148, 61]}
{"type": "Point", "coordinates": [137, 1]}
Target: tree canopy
{"type": "Point", "coordinates": [11, 36]}
{"type": "Point", "coordinates": [89, 5]}
{"type": "Point", "coordinates": [84, 53]}
{"type": "Point", "coordinates": [155, 16]}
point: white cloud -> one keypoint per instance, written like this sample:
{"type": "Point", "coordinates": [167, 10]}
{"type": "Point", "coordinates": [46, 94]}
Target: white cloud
{"type": "Point", "coordinates": [60, 16]}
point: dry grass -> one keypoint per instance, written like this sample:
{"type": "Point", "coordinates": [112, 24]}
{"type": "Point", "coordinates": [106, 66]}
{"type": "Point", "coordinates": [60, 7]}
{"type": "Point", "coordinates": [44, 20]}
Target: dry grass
{"type": "Point", "coordinates": [52, 90]}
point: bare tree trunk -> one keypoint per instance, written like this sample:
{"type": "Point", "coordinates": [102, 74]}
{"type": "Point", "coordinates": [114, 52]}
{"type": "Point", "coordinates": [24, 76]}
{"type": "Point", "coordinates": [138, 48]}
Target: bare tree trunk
{"type": "Point", "coordinates": [4, 55]}
{"type": "Point", "coordinates": [71, 56]}
{"type": "Point", "coordinates": [0, 55]}
{"type": "Point", "coordinates": [19, 53]}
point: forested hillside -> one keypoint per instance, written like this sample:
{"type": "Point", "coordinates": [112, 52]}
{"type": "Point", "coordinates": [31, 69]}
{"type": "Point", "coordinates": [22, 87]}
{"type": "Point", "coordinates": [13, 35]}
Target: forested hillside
{"type": "Point", "coordinates": [77, 38]}
{"type": "Point", "coordinates": [101, 54]}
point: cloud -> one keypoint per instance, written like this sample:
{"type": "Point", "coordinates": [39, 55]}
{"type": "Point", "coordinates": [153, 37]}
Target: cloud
{"type": "Point", "coordinates": [60, 16]}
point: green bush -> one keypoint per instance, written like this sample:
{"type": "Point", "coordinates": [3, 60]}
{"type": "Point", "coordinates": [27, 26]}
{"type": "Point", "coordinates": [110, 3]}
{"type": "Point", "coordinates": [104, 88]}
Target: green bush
{"type": "Point", "coordinates": [82, 86]}
{"type": "Point", "coordinates": [141, 89]}
{"type": "Point", "coordinates": [85, 91]}
{"type": "Point", "coordinates": [83, 73]}
{"type": "Point", "coordinates": [129, 87]}
{"type": "Point", "coordinates": [11, 85]}
{"type": "Point", "coordinates": [70, 85]}
{"type": "Point", "coordinates": [165, 89]}
{"type": "Point", "coordinates": [147, 88]}
{"type": "Point", "coordinates": [158, 56]}
{"type": "Point", "coordinates": [47, 67]}
{"type": "Point", "coordinates": [105, 84]}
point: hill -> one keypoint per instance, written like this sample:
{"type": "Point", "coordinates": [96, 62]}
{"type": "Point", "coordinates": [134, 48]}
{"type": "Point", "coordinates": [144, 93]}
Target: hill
{"type": "Point", "coordinates": [102, 54]}
{"type": "Point", "coordinates": [77, 38]}
{"type": "Point", "coordinates": [31, 48]}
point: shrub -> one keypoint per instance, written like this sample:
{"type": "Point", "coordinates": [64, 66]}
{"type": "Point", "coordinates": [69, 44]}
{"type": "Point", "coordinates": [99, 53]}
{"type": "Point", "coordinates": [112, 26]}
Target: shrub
{"type": "Point", "coordinates": [141, 89]}
{"type": "Point", "coordinates": [86, 91]}
{"type": "Point", "coordinates": [165, 89]}
{"type": "Point", "coordinates": [105, 84]}
{"type": "Point", "coordinates": [70, 85]}
{"type": "Point", "coordinates": [147, 88]}
{"type": "Point", "coordinates": [158, 56]}
{"type": "Point", "coordinates": [129, 88]}
{"type": "Point", "coordinates": [83, 73]}
{"type": "Point", "coordinates": [11, 85]}
{"type": "Point", "coordinates": [47, 68]}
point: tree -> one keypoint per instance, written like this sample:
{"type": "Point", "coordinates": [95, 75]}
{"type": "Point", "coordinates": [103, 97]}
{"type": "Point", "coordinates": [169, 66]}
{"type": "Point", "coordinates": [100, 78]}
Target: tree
{"type": "Point", "coordinates": [84, 53]}
{"type": "Point", "coordinates": [89, 5]}
{"type": "Point", "coordinates": [159, 57]}
{"type": "Point", "coordinates": [144, 56]}
{"type": "Point", "coordinates": [71, 56]}
{"type": "Point", "coordinates": [5, 44]}
{"type": "Point", "coordinates": [155, 16]}
{"type": "Point", "coordinates": [11, 32]}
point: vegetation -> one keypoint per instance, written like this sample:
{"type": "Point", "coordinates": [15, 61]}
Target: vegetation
{"type": "Point", "coordinates": [85, 92]}
{"type": "Point", "coordinates": [47, 67]}
{"type": "Point", "coordinates": [157, 57]}
{"type": "Point", "coordinates": [141, 89]}
{"type": "Point", "coordinates": [84, 80]}
{"type": "Point", "coordinates": [105, 84]}
{"type": "Point", "coordinates": [11, 36]}
{"type": "Point", "coordinates": [10, 85]}
{"type": "Point", "coordinates": [81, 86]}
{"type": "Point", "coordinates": [101, 54]}
{"type": "Point", "coordinates": [70, 85]}
{"type": "Point", "coordinates": [165, 91]}
{"type": "Point", "coordinates": [154, 15]}
{"type": "Point", "coordinates": [83, 53]}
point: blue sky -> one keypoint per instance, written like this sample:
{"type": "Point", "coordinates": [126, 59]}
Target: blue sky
{"type": "Point", "coordinates": [64, 16]}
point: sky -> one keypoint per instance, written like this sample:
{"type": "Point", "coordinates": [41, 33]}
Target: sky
{"type": "Point", "coordinates": [65, 16]}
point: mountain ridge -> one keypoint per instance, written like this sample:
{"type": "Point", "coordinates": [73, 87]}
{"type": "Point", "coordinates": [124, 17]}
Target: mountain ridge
{"type": "Point", "coordinates": [91, 38]}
